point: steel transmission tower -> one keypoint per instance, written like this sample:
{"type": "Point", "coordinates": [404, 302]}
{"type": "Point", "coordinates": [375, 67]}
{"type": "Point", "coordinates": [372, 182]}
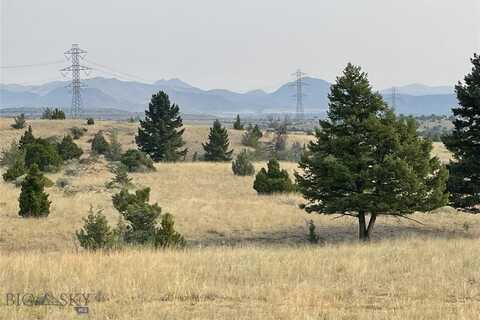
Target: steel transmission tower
{"type": "Point", "coordinates": [299, 83]}
{"type": "Point", "coordinates": [394, 97]}
{"type": "Point", "coordinates": [75, 54]}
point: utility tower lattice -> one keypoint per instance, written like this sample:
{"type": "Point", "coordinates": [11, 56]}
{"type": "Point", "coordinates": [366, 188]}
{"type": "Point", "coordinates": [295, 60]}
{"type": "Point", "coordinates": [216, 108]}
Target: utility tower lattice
{"type": "Point", "coordinates": [394, 97]}
{"type": "Point", "coordinates": [75, 54]}
{"type": "Point", "coordinates": [299, 83]}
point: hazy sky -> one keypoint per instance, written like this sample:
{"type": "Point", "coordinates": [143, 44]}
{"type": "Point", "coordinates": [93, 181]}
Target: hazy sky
{"type": "Point", "coordinates": [244, 44]}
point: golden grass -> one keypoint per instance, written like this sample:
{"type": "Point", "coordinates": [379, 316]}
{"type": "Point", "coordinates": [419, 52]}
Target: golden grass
{"type": "Point", "coordinates": [400, 279]}
{"type": "Point", "coordinates": [247, 257]}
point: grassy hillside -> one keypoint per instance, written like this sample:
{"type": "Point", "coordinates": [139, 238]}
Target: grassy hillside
{"type": "Point", "coordinates": [247, 255]}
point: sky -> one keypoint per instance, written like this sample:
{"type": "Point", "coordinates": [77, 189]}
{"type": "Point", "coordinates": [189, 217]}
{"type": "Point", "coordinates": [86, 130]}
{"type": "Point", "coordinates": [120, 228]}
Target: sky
{"type": "Point", "coordinates": [242, 45]}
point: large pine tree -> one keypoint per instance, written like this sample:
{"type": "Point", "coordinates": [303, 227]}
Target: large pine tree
{"type": "Point", "coordinates": [366, 162]}
{"type": "Point", "coordinates": [158, 134]}
{"type": "Point", "coordinates": [216, 149]}
{"type": "Point", "coordinates": [464, 143]}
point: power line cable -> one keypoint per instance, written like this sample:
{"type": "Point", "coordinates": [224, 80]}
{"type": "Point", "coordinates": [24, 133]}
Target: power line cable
{"type": "Point", "coordinates": [18, 66]}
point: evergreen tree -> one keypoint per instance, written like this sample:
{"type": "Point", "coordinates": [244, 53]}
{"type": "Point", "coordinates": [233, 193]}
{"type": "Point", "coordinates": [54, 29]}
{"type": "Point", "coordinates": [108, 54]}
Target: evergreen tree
{"type": "Point", "coordinates": [464, 143]}
{"type": "Point", "coordinates": [100, 144]}
{"type": "Point", "coordinates": [33, 200]}
{"type": "Point", "coordinates": [158, 135]}
{"type": "Point", "coordinates": [242, 166]}
{"type": "Point", "coordinates": [68, 149]}
{"type": "Point", "coordinates": [27, 138]}
{"type": "Point", "coordinates": [166, 236]}
{"type": "Point", "coordinates": [237, 125]}
{"type": "Point", "coordinates": [273, 180]}
{"type": "Point", "coordinates": [96, 233]}
{"type": "Point", "coordinates": [364, 161]}
{"type": "Point", "coordinates": [216, 149]}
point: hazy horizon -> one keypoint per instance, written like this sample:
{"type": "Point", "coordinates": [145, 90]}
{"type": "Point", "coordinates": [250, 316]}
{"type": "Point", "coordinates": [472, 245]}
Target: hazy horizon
{"type": "Point", "coordinates": [246, 45]}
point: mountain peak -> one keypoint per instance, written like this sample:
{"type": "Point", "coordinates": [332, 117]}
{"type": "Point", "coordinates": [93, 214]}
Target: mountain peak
{"type": "Point", "coordinates": [173, 83]}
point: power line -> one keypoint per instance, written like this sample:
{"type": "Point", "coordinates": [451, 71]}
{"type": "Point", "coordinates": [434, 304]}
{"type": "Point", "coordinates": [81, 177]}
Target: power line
{"type": "Point", "coordinates": [115, 72]}
{"type": "Point", "coordinates": [299, 83]}
{"type": "Point", "coordinates": [22, 66]}
{"type": "Point", "coordinates": [75, 54]}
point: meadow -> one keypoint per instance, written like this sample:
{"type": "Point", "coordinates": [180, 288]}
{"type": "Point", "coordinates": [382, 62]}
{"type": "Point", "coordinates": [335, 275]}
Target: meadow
{"type": "Point", "coordinates": [247, 255]}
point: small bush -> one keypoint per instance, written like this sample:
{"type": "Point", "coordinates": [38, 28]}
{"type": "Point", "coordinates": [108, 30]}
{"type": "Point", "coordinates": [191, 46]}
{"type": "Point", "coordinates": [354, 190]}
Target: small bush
{"type": "Point", "coordinates": [274, 180]}
{"type": "Point", "coordinates": [140, 215]}
{"type": "Point", "coordinates": [137, 161]}
{"type": "Point", "coordinates": [99, 144]}
{"type": "Point", "coordinates": [17, 169]}
{"type": "Point", "coordinates": [77, 132]}
{"type": "Point", "coordinates": [33, 200]}
{"type": "Point", "coordinates": [166, 236]}
{"type": "Point", "coordinates": [90, 121]}
{"type": "Point", "coordinates": [14, 159]}
{"type": "Point", "coordinates": [19, 122]}
{"type": "Point", "coordinates": [242, 166]}
{"type": "Point", "coordinates": [96, 233]}
{"type": "Point", "coordinates": [43, 154]}
{"type": "Point", "coordinates": [68, 149]}
{"type": "Point", "coordinates": [115, 148]}
{"type": "Point", "coordinates": [252, 136]}
{"type": "Point", "coordinates": [120, 178]}
{"type": "Point", "coordinates": [62, 183]}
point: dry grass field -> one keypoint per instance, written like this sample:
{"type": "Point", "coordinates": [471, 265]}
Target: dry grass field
{"type": "Point", "coordinates": [247, 257]}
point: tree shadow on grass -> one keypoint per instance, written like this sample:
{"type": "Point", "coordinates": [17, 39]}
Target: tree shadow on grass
{"type": "Point", "coordinates": [332, 234]}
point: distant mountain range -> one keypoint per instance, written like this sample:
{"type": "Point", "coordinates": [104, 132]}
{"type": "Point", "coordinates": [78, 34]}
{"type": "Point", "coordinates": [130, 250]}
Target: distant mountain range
{"type": "Point", "coordinates": [415, 99]}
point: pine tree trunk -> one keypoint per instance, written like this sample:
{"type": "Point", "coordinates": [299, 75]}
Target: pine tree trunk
{"type": "Point", "coordinates": [365, 231]}
{"type": "Point", "coordinates": [362, 228]}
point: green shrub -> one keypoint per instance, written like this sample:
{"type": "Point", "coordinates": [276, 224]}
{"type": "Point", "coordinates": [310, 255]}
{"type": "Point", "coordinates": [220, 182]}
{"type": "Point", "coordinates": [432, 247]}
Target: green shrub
{"type": "Point", "coordinates": [242, 166]}
{"type": "Point", "coordinates": [139, 214]}
{"type": "Point", "coordinates": [19, 122]}
{"type": "Point", "coordinates": [33, 200]}
{"type": "Point", "coordinates": [115, 148]}
{"type": "Point", "coordinates": [252, 136]}
{"type": "Point", "coordinates": [120, 177]}
{"type": "Point", "coordinates": [67, 149]}
{"type": "Point", "coordinates": [99, 144]}
{"type": "Point", "coordinates": [237, 125]}
{"type": "Point", "coordinates": [27, 138]}
{"type": "Point", "coordinates": [43, 154]}
{"type": "Point", "coordinates": [90, 121]}
{"type": "Point", "coordinates": [77, 132]}
{"type": "Point", "coordinates": [96, 233]}
{"type": "Point", "coordinates": [137, 161]}
{"type": "Point", "coordinates": [166, 236]}
{"type": "Point", "coordinates": [141, 221]}
{"type": "Point", "coordinates": [15, 170]}
{"type": "Point", "coordinates": [14, 159]}
{"type": "Point", "coordinates": [274, 180]}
